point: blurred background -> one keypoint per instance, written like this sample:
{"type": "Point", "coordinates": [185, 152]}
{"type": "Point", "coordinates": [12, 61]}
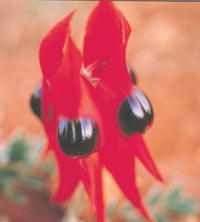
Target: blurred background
{"type": "Point", "coordinates": [164, 52]}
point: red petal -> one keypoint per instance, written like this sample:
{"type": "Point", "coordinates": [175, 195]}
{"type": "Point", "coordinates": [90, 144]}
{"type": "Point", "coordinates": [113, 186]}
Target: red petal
{"type": "Point", "coordinates": [92, 105]}
{"type": "Point", "coordinates": [65, 84]}
{"type": "Point", "coordinates": [137, 144]}
{"type": "Point", "coordinates": [71, 61]}
{"type": "Point", "coordinates": [91, 176]}
{"type": "Point", "coordinates": [68, 169]}
{"type": "Point", "coordinates": [46, 104]}
{"type": "Point", "coordinates": [68, 176]}
{"type": "Point", "coordinates": [45, 152]}
{"type": "Point", "coordinates": [48, 116]}
{"type": "Point", "coordinates": [122, 166]}
{"type": "Point", "coordinates": [107, 30]}
{"type": "Point", "coordinates": [51, 48]}
{"type": "Point", "coordinates": [115, 80]}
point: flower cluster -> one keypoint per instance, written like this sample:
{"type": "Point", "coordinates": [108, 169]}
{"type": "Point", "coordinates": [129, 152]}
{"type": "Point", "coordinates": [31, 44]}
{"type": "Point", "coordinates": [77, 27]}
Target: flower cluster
{"type": "Point", "coordinates": [92, 112]}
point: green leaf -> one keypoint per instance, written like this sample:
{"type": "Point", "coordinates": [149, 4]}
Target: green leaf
{"type": "Point", "coordinates": [33, 182]}
{"type": "Point", "coordinates": [136, 220]}
{"type": "Point", "coordinates": [161, 218]}
{"type": "Point", "coordinates": [7, 176]}
{"type": "Point", "coordinates": [176, 203]}
{"type": "Point", "coordinates": [154, 198]}
{"type": "Point", "coordinates": [128, 207]}
{"type": "Point", "coordinates": [6, 184]}
{"type": "Point", "coordinates": [49, 165]}
{"type": "Point", "coordinates": [18, 150]}
{"type": "Point", "coordinates": [19, 197]}
{"type": "Point", "coordinates": [8, 173]}
{"type": "Point", "coordinates": [111, 208]}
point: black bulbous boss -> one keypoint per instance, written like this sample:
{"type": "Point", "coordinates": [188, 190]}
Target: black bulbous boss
{"type": "Point", "coordinates": [77, 137]}
{"type": "Point", "coordinates": [135, 113]}
{"type": "Point", "coordinates": [35, 101]}
{"type": "Point", "coordinates": [132, 75]}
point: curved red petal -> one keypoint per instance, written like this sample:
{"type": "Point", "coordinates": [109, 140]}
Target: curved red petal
{"type": "Point", "coordinates": [69, 176]}
{"type": "Point", "coordinates": [68, 169]}
{"type": "Point", "coordinates": [91, 176]}
{"type": "Point", "coordinates": [65, 84]}
{"type": "Point", "coordinates": [115, 80]}
{"type": "Point", "coordinates": [92, 106]}
{"type": "Point", "coordinates": [49, 119]}
{"type": "Point", "coordinates": [137, 144]}
{"type": "Point", "coordinates": [51, 48]}
{"type": "Point", "coordinates": [71, 61]}
{"type": "Point", "coordinates": [106, 31]}
{"type": "Point", "coordinates": [122, 167]}
{"type": "Point", "coordinates": [46, 104]}
{"type": "Point", "coordinates": [45, 152]}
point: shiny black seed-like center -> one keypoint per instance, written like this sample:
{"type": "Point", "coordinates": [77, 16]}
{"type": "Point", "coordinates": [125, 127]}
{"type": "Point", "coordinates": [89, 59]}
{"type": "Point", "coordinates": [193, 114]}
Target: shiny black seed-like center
{"type": "Point", "coordinates": [135, 113]}
{"type": "Point", "coordinates": [77, 137]}
{"type": "Point", "coordinates": [132, 75]}
{"type": "Point", "coordinates": [35, 101]}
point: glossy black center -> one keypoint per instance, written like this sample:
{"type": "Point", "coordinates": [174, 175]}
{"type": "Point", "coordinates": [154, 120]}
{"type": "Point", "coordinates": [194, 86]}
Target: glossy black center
{"type": "Point", "coordinates": [77, 138]}
{"type": "Point", "coordinates": [135, 113]}
{"type": "Point", "coordinates": [133, 76]}
{"type": "Point", "coordinates": [35, 101]}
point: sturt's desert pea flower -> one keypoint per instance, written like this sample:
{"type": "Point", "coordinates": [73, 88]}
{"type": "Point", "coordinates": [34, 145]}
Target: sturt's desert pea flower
{"type": "Point", "coordinates": [93, 113]}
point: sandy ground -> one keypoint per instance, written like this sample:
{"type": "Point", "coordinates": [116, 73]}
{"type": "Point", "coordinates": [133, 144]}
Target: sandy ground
{"type": "Point", "coordinates": [164, 51]}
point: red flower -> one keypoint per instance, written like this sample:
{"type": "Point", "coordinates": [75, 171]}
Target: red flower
{"type": "Point", "coordinates": [93, 114]}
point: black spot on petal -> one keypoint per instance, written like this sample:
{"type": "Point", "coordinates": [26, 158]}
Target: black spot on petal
{"type": "Point", "coordinates": [133, 76]}
{"type": "Point", "coordinates": [135, 113]}
{"type": "Point", "coordinates": [35, 101]}
{"type": "Point", "coordinates": [77, 137]}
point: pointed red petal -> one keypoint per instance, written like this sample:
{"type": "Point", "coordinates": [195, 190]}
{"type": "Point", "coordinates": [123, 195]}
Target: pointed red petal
{"type": "Point", "coordinates": [115, 80]}
{"type": "Point", "coordinates": [68, 176]}
{"type": "Point", "coordinates": [48, 115]}
{"type": "Point", "coordinates": [122, 167]}
{"type": "Point", "coordinates": [51, 48]}
{"type": "Point", "coordinates": [91, 176]}
{"type": "Point", "coordinates": [65, 84]}
{"type": "Point", "coordinates": [67, 168]}
{"type": "Point", "coordinates": [92, 105]}
{"type": "Point", "coordinates": [46, 103]}
{"type": "Point", "coordinates": [45, 152]}
{"type": "Point", "coordinates": [106, 31]}
{"type": "Point", "coordinates": [71, 61]}
{"type": "Point", "coordinates": [137, 144]}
